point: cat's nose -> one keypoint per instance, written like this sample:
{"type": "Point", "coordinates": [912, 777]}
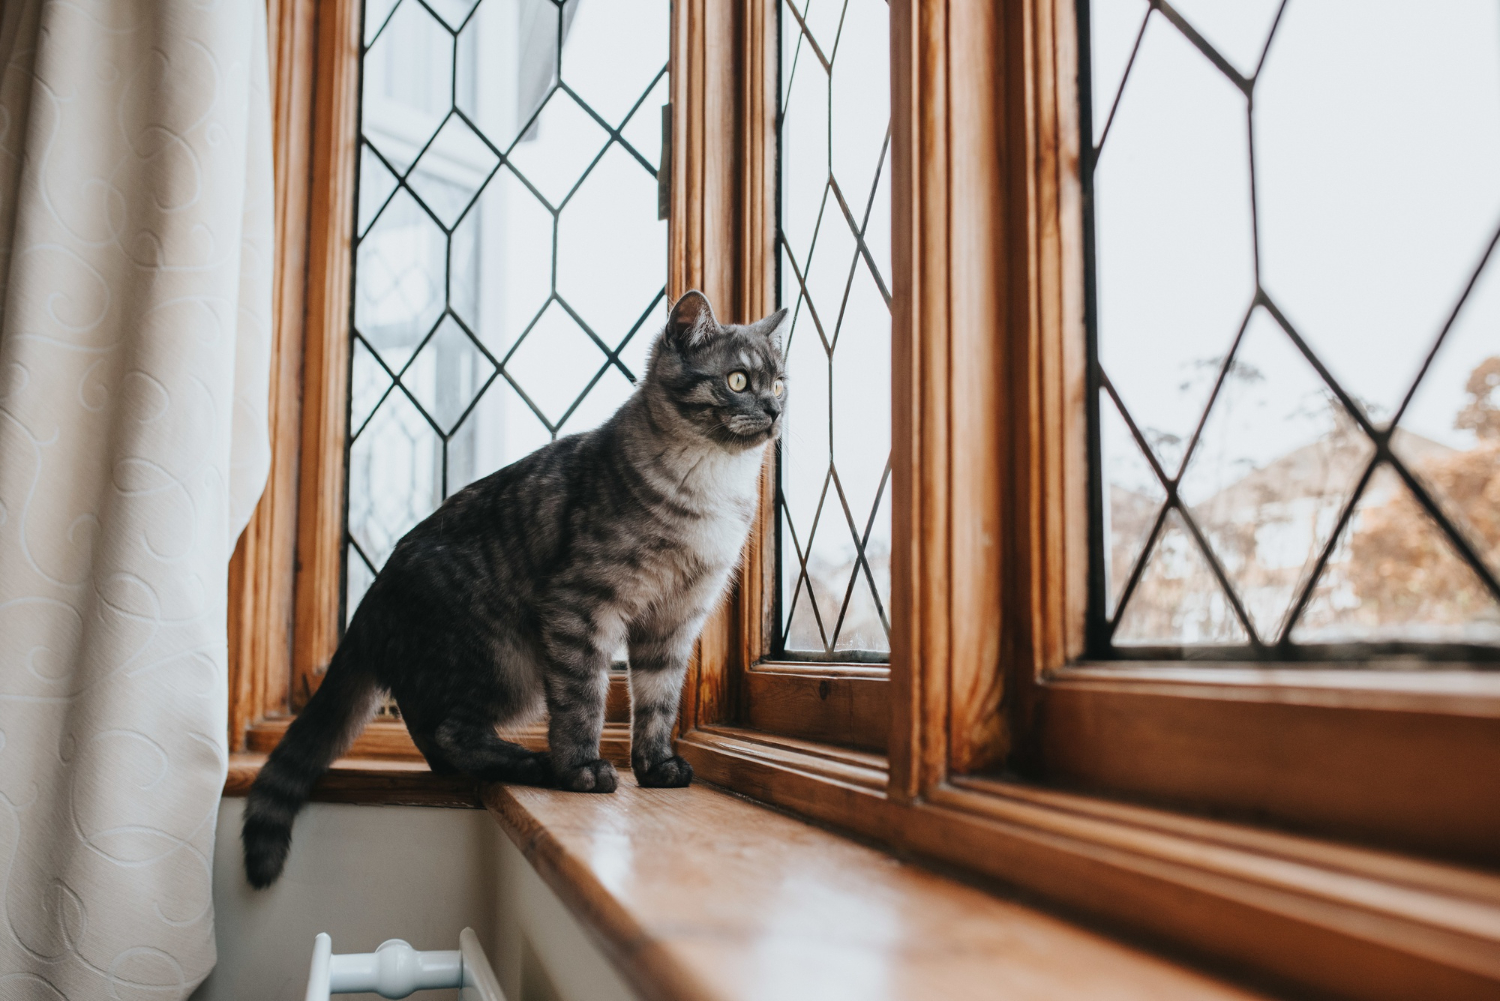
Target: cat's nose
{"type": "Point", "coordinates": [771, 407]}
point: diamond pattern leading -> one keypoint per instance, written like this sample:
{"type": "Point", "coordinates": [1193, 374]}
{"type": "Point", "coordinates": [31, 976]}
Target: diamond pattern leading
{"type": "Point", "coordinates": [476, 336]}
{"type": "Point", "coordinates": [1199, 535]}
{"type": "Point", "coordinates": [832, 240]}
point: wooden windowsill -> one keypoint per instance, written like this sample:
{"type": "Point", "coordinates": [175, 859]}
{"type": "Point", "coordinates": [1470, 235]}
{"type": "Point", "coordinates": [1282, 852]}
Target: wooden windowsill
{"type": "Point", "coordinates": [373, 781]}
{"type": "Point", "coordinates": [698, 894]}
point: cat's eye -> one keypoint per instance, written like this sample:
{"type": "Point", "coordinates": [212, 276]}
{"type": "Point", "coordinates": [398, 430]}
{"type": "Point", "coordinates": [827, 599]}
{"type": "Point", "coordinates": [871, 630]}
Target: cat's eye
{"type": "Point", "coordinates": [777, 388]}
{"type": "Point", "coordinates": [738, 381]}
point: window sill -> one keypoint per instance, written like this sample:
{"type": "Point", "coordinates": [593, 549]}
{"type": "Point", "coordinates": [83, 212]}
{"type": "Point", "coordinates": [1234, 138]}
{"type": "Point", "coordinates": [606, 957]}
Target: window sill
{"type": "Point", "coordinates": [370, 781]}
{"type": "Point", "coordinates": [698, 894]}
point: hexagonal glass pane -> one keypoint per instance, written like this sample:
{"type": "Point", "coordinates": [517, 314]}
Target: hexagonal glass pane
{"type": "Point", "coordinates": [408, 84]}
{"type": "Point", "coordinates": [1114, 28]}
{"type": "Point", "coordinates": [643, 129]}
{"type": "Point", "coordinates": [1277, 462]}
{"type": "Point", "coordinates": [1175, 243]}
{"type": "Point", "coordinates": [447, 374]}
{"type": "Point", "coordinates": [610, 245]}
{"type": "Point", "coordinates": [376, 183]}
{"type": "Point", "coordinates": [857, 137]}
{"type": "Point", "coordinates": [807, 446]}
{"type": "Point", "coordinates": [456, 164]}
{"type": "Point", "coordinates": [395, 470]}
{"type": "Point", "coordinates": [507, 65]}
{"type": "Point", "coordinates": [1449, 436]}
{"type": "Point", "coordinates": [860, 395]}
{"type": "Point", "coordinates": [1178, 601]}
{"type": "Point", "coordinates": [554, 154]}
{"type": "Point", "coordinates": [369, 384]}
{"type": "Point", "coordinates": [402, 281]}
{"type": "Point", "coordinates": [614, 52]}
{"type": "Point", "coordinates": [804, 143]}
{"type": "Point", "coordinates": [1132, 502]}
{"type": "Point", "coordinates": [502, 262]}
{"type": "Point", "coordinates": [555, 364]}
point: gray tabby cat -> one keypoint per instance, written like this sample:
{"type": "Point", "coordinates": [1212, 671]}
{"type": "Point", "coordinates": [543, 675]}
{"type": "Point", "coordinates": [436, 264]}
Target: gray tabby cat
{"type": "Point", "coordinates": [514, 593]}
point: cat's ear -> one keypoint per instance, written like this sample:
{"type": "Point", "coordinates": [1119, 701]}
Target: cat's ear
{"type": "Point", "coordinates": [773, 328]}
{"type": "Point", "coordinates": [692, 320]}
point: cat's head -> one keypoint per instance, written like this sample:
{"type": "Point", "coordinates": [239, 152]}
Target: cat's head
{"type": "Point", "coordinates": [726, 381]}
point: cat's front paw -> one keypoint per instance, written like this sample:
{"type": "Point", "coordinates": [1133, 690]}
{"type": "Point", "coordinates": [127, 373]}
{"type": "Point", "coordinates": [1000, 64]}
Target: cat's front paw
{"type": "Point", "coordinates": [673, 773]}
{"type": "Point", "coordinates": [591, 776]}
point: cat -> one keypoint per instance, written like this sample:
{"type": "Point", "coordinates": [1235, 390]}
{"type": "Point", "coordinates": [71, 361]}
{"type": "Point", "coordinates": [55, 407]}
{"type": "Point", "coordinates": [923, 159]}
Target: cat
{"type": "Point", "coordinates": [513, 595]}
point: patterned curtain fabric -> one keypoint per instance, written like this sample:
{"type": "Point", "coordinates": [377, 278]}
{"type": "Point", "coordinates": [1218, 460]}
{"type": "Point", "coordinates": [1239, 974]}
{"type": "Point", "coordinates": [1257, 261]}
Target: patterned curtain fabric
{"type": "Point", "coordinates": [135, 277]}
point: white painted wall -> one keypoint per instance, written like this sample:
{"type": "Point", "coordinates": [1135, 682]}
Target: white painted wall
{"type": "Point", "coordinates": [368, 873]}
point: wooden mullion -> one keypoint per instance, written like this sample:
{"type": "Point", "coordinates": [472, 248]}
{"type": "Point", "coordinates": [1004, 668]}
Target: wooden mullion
{"type": "Point", "coordinates": [919, 391]}
{"type": "Point", "coordinates": [754, 599]}
{"type": "Point", "coordinates": [702, 253]}
{"type": "Point", "coordinates": [1045, 432]}
{"type": "Point", "coordinates": [980, 100]}
{"type": "Point", "coordinates": [325, 402]}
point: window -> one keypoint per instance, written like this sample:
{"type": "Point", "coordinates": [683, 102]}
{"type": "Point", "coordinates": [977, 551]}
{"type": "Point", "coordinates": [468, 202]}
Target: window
{"type": "Point", "coordinates": [833, 237]}
{"type": "Point", "coordinates": [509, 256]}
{"type": "Point", "coordinates": [1296, 324]}
{"type": "Point", "coordinates": [1148, 527]}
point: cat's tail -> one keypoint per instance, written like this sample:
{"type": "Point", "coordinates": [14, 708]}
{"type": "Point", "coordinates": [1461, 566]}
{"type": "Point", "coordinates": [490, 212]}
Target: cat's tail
{"type": "Point", "coordinates": [323, 731]}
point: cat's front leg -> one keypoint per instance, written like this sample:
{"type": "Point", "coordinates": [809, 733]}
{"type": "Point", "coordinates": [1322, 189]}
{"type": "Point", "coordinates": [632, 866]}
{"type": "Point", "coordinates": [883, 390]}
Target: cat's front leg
{"type": "Point", "coordinates": [576, 684]}
{"type": "Point", "coordinates": [658, 661]}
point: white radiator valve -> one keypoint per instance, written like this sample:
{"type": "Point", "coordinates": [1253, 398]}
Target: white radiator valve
{"type": "Point", "coordinates": [395, 970]}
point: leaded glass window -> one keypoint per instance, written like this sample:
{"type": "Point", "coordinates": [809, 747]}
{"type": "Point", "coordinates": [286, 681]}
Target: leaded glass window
{"type": "Point", "coordinates": [509, 260]}
{"type": "Point", "coordinates": [1294, 303]}
{"type": "Point", "coordinates": [833, 242]}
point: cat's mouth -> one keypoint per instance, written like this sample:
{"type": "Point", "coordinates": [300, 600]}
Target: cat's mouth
{"type": "Point", "coordinates": [752, 430]}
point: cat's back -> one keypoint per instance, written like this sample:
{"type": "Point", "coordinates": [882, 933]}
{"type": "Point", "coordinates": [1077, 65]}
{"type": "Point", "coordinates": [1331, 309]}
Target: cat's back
{"type": "Point", "coordinates": [516, 515]}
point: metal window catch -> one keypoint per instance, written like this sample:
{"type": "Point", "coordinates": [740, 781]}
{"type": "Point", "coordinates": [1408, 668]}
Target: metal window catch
{"type": "Point", "coordinates": [395, 970]}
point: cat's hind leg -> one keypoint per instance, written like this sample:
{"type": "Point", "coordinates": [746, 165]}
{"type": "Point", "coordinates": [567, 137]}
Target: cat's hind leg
{"type": "Point", "coordinates": [470, 745]}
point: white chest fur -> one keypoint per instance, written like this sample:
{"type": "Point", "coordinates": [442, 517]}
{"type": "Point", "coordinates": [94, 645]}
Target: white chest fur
{"type": "Point", "coordinates": [725, 490]}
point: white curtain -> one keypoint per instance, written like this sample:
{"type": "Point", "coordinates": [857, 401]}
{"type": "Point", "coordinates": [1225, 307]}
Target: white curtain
{"type": "Point", "coordinates": [135, 272]}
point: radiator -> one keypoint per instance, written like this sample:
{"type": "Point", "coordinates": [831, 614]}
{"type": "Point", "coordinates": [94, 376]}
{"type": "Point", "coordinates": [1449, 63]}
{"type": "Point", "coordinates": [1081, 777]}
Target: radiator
{"type": "Point", "coordinates": [395, 970]}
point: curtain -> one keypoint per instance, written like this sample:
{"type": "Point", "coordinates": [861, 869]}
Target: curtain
{"type": "Point", "coordinates": [135, 275]}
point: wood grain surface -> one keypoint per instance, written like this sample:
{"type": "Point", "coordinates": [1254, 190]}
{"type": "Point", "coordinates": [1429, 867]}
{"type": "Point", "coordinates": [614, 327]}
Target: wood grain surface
{"type": "Point", "coordinates": [325, 361]}
{"type": "Point", "coordinates": [368, 781]}
{"type": "Point", "coordinates": [700, 895]}
{"type": "Point", "coordinates": [388, 740]}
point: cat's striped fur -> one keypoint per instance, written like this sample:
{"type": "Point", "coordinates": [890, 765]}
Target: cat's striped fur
{"type": "Point", "coordinates": [512, 596]}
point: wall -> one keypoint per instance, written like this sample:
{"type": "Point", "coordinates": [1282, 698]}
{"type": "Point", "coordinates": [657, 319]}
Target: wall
{"type": "Point", "coordinates": [368, 873]}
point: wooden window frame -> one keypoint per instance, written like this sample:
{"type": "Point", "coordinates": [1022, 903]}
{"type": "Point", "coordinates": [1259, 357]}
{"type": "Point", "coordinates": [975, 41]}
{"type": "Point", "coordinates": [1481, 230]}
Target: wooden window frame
{"type": "Point", "coordinates": [286, 575]}
{"type": "Point", "coordinates": [723, 241]}
{"type": "Point", "coordinates": [1006, 751]}
{"type": "Point", "coordinates": [989, 742]}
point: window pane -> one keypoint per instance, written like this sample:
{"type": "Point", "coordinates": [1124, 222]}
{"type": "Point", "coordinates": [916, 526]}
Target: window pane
{"type": "Point", "coordinates": [834, 246]}
{"type": "Point", "coordinates": [1297, 309]}
{"type": "Point", "coordinates": [509, 263]}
